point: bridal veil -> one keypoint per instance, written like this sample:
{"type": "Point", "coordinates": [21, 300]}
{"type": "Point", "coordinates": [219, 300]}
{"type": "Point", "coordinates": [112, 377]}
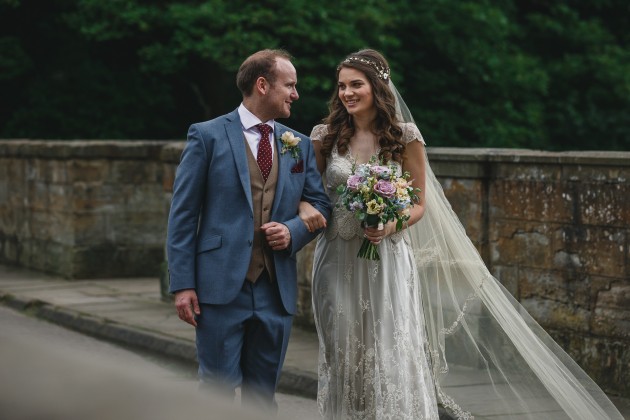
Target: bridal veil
{"type": "Point", "coordinates": [479, 334]}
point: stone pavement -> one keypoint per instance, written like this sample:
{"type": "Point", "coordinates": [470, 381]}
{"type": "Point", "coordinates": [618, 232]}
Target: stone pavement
{"type": "Point", "coordinates": [130, 311]}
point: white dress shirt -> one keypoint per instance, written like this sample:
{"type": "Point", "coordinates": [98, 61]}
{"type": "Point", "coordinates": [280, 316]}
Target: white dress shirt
{"type": "Point", "coordinates": [252, 135]}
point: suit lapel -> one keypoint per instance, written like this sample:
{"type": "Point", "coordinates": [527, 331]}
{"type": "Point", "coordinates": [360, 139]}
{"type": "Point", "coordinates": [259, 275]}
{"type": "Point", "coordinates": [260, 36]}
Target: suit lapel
{"type": "Point", "coordinates": [234, 130]}
{"type": "Point", "coordinates": [283, 167]}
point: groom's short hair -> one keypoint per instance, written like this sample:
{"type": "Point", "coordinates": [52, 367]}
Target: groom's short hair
{"type": "Point", "coordinates": [259, 64]}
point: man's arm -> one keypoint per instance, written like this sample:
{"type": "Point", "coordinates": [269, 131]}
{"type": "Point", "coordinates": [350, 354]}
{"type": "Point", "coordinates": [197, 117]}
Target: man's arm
{"type": "Point", "coordinates": [312, 193]}
{"type": "Point", "coordinates": [188, 192]}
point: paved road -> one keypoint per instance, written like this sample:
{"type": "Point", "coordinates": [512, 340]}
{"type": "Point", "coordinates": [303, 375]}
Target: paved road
{"type": "Point", "coordinates": [49, 372]}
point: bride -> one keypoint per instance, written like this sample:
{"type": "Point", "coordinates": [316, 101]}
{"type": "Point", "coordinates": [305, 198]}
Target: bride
{"type": "Point", "coordinates": [397, 335]}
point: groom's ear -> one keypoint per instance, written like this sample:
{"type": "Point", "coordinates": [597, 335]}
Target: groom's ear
{"type": "Point", "coordinates": [261, 86]}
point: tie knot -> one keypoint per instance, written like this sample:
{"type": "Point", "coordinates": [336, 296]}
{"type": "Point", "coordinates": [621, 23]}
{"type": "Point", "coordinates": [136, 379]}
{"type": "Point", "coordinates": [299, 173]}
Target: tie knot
{"type": "Point", "coordinates": [264, 129]}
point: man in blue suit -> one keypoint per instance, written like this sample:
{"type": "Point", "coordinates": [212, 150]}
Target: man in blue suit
{"type": "Point", "coordinates": [234, 230]}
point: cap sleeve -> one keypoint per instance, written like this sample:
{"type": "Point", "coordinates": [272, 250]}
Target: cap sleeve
{"type": "Point", "coordinates": [411, 133]}
{"type": "Point", "coordinates": [319, 132]}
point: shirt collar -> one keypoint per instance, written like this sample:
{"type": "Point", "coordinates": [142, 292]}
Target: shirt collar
{"type": "Point", "coordinates": [249, 120]}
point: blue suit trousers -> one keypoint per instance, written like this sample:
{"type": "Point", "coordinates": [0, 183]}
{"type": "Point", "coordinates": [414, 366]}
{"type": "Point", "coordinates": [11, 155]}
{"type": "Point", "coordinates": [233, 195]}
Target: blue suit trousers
{"type": "Point", "coordinates": [243, 343]}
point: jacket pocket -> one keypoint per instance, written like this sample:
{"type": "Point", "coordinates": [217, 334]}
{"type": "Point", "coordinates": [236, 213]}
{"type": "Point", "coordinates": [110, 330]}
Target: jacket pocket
{"type": "Point", "coordinates": [208, 244]}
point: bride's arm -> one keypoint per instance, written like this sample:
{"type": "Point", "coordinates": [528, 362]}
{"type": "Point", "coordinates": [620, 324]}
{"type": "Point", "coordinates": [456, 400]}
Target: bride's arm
{"type": "Point", "coordinates": [414, 164]}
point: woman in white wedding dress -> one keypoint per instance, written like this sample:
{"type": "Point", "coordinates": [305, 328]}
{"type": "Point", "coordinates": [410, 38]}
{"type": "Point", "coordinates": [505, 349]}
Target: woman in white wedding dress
{"type": "Point", "coordinates": [401, 334]}
{"type": "Point", "coordinates": [373, 358]}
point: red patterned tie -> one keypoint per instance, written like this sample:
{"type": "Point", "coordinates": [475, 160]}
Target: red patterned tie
{"type": "Point", "coordinates": [264, 150]}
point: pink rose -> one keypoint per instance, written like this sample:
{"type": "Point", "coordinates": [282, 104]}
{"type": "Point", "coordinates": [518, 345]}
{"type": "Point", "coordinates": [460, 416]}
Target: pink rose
{"type": "Point", "coordinates": [385, 188]}
{"type": "Point", "coordinates": [353, 182]}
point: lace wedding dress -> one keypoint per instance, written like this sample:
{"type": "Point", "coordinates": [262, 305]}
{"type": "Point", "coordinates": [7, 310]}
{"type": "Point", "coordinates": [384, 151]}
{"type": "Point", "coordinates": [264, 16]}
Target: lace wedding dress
{"type": "Point", "coordinates": [373, 359]}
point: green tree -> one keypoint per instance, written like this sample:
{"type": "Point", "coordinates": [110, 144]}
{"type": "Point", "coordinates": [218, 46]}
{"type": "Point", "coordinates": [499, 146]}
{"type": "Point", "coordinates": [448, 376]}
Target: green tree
{"type": "Point", "coordinates": [508, 73]}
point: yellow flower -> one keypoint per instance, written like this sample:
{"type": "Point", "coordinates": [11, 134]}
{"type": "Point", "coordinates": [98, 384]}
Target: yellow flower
{"type": "Point", "coordinates": [373, 207]}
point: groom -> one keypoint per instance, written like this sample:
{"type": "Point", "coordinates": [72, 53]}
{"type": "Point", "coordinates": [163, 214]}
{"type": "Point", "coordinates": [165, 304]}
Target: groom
{"type": "Point", "coordinates": [234, 231]}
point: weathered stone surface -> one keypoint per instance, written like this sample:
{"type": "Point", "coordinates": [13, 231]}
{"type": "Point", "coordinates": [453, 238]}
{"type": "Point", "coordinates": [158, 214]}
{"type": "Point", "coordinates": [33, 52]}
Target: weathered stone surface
{"type": "Point", "coordinates": [612, 313]}
{"type": "Point", "coordinates": [530, 200]}
{"type": "Point", "coordinates": [520, 243]}
{"type": "Point", "coordinates": [591, 249]}
{"type": "Point", "coordinates": [509, 278]}
{"type": "Point", "coordinates": [57, 198]}
{"type": "Point", "coordinates": [552, 227]}
{"type": "Point", "coordinates": [540, 172]}
{"type": "Point", "coordinates": [605, 204]}
{"type": "Point", "coordinates": [466, 198]}
{"type": "Point", "coordinates": [554, 314]}
{"type": "Point", "coordinates": [606, 360]}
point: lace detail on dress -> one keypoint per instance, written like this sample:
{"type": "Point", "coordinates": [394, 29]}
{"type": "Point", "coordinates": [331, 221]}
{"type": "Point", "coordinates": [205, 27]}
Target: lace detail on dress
{"type": "Point", "coordinates": [411, 133]}
{"type": "Point", "coordinates": [318, 132]}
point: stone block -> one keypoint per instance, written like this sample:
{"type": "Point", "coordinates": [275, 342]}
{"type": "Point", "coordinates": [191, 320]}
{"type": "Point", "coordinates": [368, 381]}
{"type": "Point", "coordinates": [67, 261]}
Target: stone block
{"type": "Point", "coordinates": [134, 172]}
{"type": "Point", "coordinates": [509, 278]}
{"type": "Point", "coordinates": [558, 315]}
{"type": "Point", "coordinates": [604, 359]}
{"type": "Point", "coordinates": [172, 152]}
{"type": "Point", "coordinates": [514, 242]}
{"type": "Point", "coordinates": [52, 226]}
{"type": "Point", "coordinates": [147, 197]}
{"type": "Point", "coordinates": [98, 197]}
{"type": "Point", "coordinates": [89, 229]}
{"type": "Point", "coordinates": [530, 200]}
{"type": "Point", "coordinates": [593, 172]}
{"type": "Point", "coordinates": [60, 197]}
{"type": "Point", "coordinates": [168, 177]}
{"type": "Point", "coordinates": [38, 196]}
{"type": "Point", "coordinates": [612, 311]}
{"type": "Point", "coordinates": [8, 249]}
{"type": "Point", "coordinates": [111, 260]}
{"type": "Point", "coordinates": [535, 171]}
{"type": "Point", "coordinates": [135, 228]}
{"type": "Point", "coordinates": [88, 171]}
{"type": "Point", "coordinates": [604, 204]}
{"type": "Point", "coordinates": [571, 288]}
{"type": "Point", "coordinates": [466, 198]}
{"type": "Point", "coordinates": [591, 249]}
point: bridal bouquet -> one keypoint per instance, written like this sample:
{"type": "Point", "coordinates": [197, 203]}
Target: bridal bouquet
{"type": "Point", "coordinates": [376, 195]}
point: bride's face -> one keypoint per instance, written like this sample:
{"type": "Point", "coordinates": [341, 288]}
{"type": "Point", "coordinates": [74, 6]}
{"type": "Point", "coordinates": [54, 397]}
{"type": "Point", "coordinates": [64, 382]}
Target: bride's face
{"type": "Point", "coordinates": [355, 92]}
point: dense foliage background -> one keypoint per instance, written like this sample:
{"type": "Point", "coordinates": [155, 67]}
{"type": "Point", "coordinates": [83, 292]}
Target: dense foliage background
{"type": "Point", "coordinates": [541, 74]}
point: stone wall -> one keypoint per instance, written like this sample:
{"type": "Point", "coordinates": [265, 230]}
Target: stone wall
{"type": "Point", "coordinates": [553, 227]}
{"type": "Point", "coordinates": [82, 209]}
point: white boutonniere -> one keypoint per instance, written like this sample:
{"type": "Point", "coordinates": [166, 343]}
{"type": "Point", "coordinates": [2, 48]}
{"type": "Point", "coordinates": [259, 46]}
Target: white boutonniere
{"type": "Point", "coordinates": [290, 143]}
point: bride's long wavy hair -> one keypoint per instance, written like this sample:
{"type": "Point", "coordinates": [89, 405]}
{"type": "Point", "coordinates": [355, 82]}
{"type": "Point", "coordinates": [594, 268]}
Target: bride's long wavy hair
{"type": "Point", "coordinates": [386, 127]}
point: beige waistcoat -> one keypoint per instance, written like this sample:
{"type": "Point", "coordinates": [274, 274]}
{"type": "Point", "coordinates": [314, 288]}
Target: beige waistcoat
{"type": "Point", "coordinates": [263, 193]}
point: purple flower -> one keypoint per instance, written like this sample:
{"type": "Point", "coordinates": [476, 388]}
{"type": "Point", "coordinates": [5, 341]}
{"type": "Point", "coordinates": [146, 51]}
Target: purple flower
{"type": "Point", "coordinates": [353, 182]}
{"type": "Point", "coordinates": [356, 205]}
{"type": "Point", "coordinates": [385, 188]}
{"type": "Point", "coordinates": [380, 171]}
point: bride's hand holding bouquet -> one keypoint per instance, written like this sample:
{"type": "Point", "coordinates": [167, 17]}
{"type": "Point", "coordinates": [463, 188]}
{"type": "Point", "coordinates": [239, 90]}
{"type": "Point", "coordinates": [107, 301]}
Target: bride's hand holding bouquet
{"type": "Point", "coordinates": [377, 196]}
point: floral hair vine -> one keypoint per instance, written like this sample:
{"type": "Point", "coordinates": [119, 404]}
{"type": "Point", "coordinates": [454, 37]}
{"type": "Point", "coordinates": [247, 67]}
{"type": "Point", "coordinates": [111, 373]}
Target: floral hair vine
{"type": "Point", "coordinates": [382, 71]}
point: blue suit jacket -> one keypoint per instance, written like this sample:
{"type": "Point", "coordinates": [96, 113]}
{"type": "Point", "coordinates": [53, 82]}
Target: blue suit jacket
{"type": "Point", "coordinates": [211, 221]}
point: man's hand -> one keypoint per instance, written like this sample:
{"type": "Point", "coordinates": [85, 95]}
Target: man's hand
{"type": "Point", "coordinates": [186, 303]}
{"type": "Point", "coordinates": [277, 234]}
{"type": "Point", "coordinates": [311, 217]}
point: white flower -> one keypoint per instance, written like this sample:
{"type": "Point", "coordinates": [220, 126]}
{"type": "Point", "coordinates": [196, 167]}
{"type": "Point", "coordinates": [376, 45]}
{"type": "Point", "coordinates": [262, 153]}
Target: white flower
{"type": "Point", "coordinates": [289, 140]}
{"type": "Point", "coordinates": [290, 143]}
